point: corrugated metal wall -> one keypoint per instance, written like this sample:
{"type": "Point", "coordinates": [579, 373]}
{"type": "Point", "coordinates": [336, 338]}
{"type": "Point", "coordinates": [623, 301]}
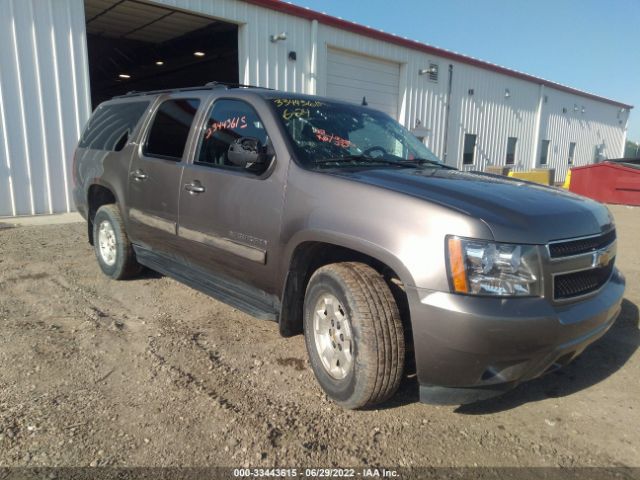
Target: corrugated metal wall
{"type": "Point", "coordinates": [563, 121]}
{"type": "Point", "coordinates": [44, 102]}
{"type": "Point", "coordinates": [261, 61]}
{"type": "Point", "coordinates": [44, 95]}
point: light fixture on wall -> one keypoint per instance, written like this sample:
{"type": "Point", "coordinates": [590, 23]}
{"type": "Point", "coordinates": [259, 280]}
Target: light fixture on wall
{"type": "Point", "coordinates": [575, 107]}
{"type": "Point", "coordinates": [278, 37]}
{"type": "Point", "coordinates": [159, 63]}
{"type": "Point", "coordinates": [583, 110]}
{"type": "Point", "coordinates": [124, 75]}
{"type": "Point", "coordinates": [507, 93]}
{"type": "Point", "coordinates": [198, 54]}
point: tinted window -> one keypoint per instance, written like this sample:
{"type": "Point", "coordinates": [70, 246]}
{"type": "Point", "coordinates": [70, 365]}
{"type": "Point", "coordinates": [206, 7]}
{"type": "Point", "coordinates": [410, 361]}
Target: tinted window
{"type": "Point", "coordinates": [511, 150]}
{"type": "Point", "coordinates": [228, 121]}
{"type": "Point", "coordinates": [469, 152]}
{"type": "Point", "coordinates": [170, 129]}
{"type": "Point", "coordinates": [111, 126]}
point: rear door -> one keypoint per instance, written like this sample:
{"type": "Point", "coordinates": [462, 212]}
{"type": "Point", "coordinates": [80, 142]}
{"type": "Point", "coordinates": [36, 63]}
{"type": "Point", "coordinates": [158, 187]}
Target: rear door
{"type": "Point", "coordinates": [229, 215]}
{"type": "Point", "coordinates": [156, 170]}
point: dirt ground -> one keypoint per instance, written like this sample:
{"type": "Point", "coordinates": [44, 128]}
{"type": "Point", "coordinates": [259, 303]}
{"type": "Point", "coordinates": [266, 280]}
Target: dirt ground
{"type": "Point", "coordinates": [148, 372]}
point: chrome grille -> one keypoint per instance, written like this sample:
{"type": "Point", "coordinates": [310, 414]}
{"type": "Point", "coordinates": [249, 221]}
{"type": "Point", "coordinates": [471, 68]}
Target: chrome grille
{"type": "Point", "coordinates": [580, 283]}
{"type": "Point", "coordinates": [581, 266]}
{"type": "Point", "coordinates": [582, 245]}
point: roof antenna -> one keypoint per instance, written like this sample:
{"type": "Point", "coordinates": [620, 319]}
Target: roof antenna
{"type": "Point", "coordinates": [364, 101]}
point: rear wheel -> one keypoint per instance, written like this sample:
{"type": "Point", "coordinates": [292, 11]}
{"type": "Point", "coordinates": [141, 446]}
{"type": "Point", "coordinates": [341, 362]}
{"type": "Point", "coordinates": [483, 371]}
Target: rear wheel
{"type": "Point", "coordinates": [112, 246]}
{"type": "Point", "coordinates": [353, 333]}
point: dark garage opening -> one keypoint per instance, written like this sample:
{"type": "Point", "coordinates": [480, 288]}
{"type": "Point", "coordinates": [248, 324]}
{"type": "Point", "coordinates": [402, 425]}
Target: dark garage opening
{"type": "Point", "coordinates": [133, 45]}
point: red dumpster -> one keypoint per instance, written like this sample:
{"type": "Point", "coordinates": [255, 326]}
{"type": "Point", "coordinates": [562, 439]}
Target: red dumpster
{"type": "Point", "coordinates": [608, 182]}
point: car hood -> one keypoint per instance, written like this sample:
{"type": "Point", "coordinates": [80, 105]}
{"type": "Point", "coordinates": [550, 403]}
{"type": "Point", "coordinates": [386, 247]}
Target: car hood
{"type": "Point", "coordinates": [514, 210]}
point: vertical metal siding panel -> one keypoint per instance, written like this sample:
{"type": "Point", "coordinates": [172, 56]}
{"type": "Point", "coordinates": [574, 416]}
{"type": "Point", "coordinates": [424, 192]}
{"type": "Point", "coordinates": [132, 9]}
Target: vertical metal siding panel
{"type": "Point", "coordinates": [41, 96]}
{"type": "Point", "coordinates": [54, 147]}
{"type": "Point", "coordinates": [16, 128]}
{"type": "Point", "coordinates": [55, 109]}
{"type": "Point", "coordinates": [7, 197]}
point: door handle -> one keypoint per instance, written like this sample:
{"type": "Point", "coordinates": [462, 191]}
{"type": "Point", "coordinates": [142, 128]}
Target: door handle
{"type": "Point", "coordinates": [139, 175]}
{"type": "Point", "coordinates": [194, 188]}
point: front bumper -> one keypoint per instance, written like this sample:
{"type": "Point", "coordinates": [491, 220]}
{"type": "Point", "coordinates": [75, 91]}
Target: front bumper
{"type": "Point", "coordinates": [470, 348]}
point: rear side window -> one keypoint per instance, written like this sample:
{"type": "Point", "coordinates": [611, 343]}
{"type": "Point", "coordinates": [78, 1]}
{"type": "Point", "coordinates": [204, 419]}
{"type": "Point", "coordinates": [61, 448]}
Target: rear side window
{"type": "Point", "coordinates": [111, 126]}
{"type": "Point", "coordinates": [170, 129]}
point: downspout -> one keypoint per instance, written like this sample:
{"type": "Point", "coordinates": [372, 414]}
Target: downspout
{"type": "Point", "coordinates": [624, 134]}
{"type": "Point", "coordinates": [446, 117]}
{"type": "Point", "coordinates": [313, 66]}
{"type": "Point", "coordinates": [536, 138]}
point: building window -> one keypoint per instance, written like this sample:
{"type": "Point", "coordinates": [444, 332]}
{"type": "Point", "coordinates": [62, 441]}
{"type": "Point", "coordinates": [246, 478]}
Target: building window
{"type": "Point", "coordinates": [469, 150]}
{"type": "Point", "coordinates": [598, 153]}
{"type": "Point", "coordinates": [572, 152]}
{"type": "Point", "coordinates": [511, 150]}
{"type": "Point", "coordinates": [544, 152]}
{"type": "Point", "coordinates": [433, 72]}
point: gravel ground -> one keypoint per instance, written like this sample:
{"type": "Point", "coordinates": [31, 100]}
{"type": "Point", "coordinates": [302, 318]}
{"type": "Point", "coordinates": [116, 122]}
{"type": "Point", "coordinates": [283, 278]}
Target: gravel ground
{"type": "Point", "coordinates": [148, 372]}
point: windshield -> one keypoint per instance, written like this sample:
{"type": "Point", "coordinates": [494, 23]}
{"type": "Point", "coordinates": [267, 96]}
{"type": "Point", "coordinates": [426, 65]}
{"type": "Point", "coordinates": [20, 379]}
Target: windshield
{"type": "Point", "coordinates": [329, 135]}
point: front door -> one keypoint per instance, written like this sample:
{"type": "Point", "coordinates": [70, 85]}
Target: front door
{"type": "Point", "coordinates": [230, 215]}
{"type": "Point", "coordinates": [155, 175]}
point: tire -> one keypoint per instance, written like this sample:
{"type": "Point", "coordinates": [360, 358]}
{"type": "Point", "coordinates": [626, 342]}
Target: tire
{"type": "Point", "coordinates": [119, 261]}
{"type": "Point", "coordinates": [364, 310]}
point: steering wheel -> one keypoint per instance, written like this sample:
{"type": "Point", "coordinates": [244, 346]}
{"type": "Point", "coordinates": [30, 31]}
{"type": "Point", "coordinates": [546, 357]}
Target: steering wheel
{"type": "Point", "coordinates": [375, 148]}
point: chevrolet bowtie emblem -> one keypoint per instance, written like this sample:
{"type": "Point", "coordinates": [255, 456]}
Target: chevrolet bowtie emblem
{"type": "Point", "coordinates": [601, 258]}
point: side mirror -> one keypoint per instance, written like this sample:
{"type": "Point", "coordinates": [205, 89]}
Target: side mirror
{"type": "Point", "coordinates": [247, 152]}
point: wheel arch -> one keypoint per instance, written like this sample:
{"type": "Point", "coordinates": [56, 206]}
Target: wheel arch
{"type": "Point", "coordinates": [312, 252]}
{"type": "Point", "coordinates": [98, 194]}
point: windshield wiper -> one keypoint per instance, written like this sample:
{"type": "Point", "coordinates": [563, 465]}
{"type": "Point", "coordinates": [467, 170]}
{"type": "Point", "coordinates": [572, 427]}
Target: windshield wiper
{"type": "Point", "coordinates": [422, 161]}
{"type": "Point", "coordinates": [365, 159]}
{"type": "Point", "coordinates": [343, 158]}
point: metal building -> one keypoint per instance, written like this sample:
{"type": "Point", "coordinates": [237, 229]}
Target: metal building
{"type": "Point", "coordinates": [59, 58]}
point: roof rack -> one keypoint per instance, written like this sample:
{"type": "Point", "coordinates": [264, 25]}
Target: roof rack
{"type": "Point", "coordinates": [207, 86]}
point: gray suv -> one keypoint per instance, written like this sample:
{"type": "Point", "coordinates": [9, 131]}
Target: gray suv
{"type": "Point", "coordinates": [334, 221]}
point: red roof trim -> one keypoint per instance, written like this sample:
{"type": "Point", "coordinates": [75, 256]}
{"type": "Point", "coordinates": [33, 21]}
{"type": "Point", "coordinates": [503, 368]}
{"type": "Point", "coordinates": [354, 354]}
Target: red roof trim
{"type": "Point", "coordinates": [298, 11]}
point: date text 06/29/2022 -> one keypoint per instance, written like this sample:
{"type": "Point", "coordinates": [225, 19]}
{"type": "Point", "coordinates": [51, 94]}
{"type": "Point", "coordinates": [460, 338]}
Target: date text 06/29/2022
{"type": "Point", "coordinates": [315, 472]}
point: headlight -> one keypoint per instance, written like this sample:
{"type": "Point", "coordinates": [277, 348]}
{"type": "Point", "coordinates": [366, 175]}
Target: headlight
{"type": "Point", "coordinates": [480, 267]}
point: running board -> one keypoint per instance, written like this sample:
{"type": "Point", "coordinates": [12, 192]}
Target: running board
{"type": "Point", "coordinates": [250, 300]}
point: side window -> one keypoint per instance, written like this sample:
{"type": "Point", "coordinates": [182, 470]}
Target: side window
{"type": "Point", "coordinates": [228, 121]}
{"type": "Point", "coordinates": [111, 126]}
{"type": "Point", "coordinates": [170, 129]}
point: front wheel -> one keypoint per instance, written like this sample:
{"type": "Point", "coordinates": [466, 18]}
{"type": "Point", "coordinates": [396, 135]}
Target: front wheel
{"type": "Point", "coordinates": [112, 246]}
{"type": "Point", "coordinates": [353, 333]}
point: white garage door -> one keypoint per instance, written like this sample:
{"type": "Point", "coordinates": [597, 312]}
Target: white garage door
{"type": "Point", "coordinates": [351, 76]}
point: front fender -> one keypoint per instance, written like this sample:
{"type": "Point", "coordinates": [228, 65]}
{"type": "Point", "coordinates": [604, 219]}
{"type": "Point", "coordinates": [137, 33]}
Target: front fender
{"type": "Point", "coordinates": [357, 244]}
